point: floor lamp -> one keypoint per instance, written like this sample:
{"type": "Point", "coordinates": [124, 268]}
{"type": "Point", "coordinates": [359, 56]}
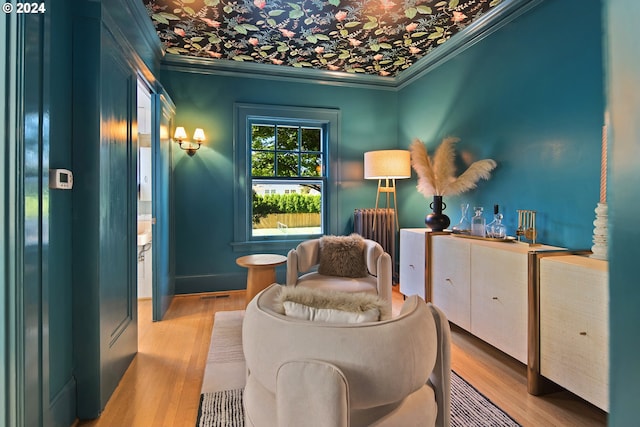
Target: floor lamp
{"type": "Point", "coordinates": [387, 165]}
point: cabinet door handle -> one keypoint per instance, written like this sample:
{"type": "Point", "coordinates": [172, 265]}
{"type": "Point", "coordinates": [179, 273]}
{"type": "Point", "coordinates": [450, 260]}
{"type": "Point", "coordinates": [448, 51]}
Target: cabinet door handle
{"type": "Point", "coordinates": [448, 280]}
{"type": "Point", "coordinates": [411, 266]}
{"type": "Point", "coordinates": [494, 298]}
{"type": "Point", "coordinates": [583, 333]}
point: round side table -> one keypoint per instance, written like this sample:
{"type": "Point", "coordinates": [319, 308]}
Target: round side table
{"type": "Point", "coordinates": [262, 271]}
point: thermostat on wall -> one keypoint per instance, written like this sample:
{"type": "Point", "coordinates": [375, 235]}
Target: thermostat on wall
{"type": "Point", "coordinates": [61, 179]}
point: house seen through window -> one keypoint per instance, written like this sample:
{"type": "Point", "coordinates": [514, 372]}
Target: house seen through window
{"type": "Point", "coordinates": [287, 178]}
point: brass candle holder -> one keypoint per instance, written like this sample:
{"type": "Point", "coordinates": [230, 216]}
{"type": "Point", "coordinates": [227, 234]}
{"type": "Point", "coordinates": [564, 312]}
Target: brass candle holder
{"type": "Point", "coordinates": [527, 226]}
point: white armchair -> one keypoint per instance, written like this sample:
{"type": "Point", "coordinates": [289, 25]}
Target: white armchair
{"type": "Point", "coordinates": [388, 373]}
{"type": "Point", "coordinates": [304, 260]}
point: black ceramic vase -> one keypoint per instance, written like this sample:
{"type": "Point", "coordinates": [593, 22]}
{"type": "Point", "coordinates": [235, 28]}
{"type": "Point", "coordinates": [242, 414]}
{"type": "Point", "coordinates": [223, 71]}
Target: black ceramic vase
{"type": "Point", "coordinates": [437, 221]}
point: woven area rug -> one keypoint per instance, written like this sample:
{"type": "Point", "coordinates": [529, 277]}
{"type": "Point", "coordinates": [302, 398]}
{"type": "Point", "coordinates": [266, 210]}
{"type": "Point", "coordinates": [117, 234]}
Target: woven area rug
{"type": "Point", "coordinates": [221, 401]}
{"type": "Point", "coordinates": [225, 368]}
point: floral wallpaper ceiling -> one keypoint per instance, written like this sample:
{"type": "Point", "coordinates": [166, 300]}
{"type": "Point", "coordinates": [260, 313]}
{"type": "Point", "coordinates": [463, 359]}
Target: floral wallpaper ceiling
{"type": "Point", "coordinates": [377, 37]}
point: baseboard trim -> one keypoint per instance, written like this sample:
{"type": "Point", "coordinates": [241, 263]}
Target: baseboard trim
{"type": "Point", "coordinates": [210, 283]}
{"type": "Point", "coordinates": [62, 408]}
{"type": "Point", "coordinates": [215, 294]}
{"type": "Point", "coordinates": [216, 282]}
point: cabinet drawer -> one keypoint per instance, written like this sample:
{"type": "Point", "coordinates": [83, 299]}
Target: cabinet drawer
{"type": "Point", "coordinates": [412, 262]}
{"type": "Point", "coordinates": [574, 326]}
{"type": "Point", "coordinates": [451, 279]}
{"type": "Point", "coordinates": [499, 299]}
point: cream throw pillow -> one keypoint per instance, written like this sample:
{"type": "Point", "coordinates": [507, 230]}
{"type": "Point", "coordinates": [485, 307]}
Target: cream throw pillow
{"type": "Point", "coordinates": [342, 256]}
{"type": "Point", "coordinates": [333, 307]}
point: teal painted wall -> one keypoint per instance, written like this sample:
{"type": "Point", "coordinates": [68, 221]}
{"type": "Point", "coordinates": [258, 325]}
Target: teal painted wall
{"type": "Point", "coordinates": [529, 96]}
{"type": "Point", "coordinates": [61, 382]}
{"type": "Point", "coordinates": [623, 103]}
{"type": "Point", "coordinates": [546, 77]}
{"type": "Point", "coordinates": [204, 183]}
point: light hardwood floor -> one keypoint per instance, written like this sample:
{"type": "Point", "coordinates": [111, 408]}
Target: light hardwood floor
{"type": "Point", "coordinates": [162, 385]}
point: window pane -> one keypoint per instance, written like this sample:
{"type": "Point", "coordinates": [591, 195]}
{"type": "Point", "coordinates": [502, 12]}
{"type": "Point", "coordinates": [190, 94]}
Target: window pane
{"type": "Point", "coordinates": [262, 163]}
{"type": "Point", "coordinates": [310, 165]}
{"type": "Point", "coordinates": [281, 209]}
{"type": "Point", "coordinates": [287, 138]}
{"type": "Point", "coordinates": [263, 137]}
{"type": "Point", "coordinates": [287, 165]}
{"type": "Point", "coordinates": [311, 138]}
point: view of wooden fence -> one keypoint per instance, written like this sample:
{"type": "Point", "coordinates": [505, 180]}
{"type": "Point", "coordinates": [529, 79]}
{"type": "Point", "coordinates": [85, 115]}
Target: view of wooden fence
{"type": "Point", "coordinates": [291, 220]}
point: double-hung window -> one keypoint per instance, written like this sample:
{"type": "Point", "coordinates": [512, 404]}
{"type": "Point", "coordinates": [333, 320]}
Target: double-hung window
{"type": "Point", "coordinates": [283, 163]}
{"type": "Point", "coordinates": [287, 177]}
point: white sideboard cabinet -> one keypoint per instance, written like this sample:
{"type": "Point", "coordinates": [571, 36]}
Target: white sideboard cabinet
{"type": "Point", "coordinates": [413, 261]}
{"type": "Point", "coordinates": [574, 325]}
{"type": "Point", "coordinates": [543, 305]}
{"type": "Point", "coordinates": [481, 285]}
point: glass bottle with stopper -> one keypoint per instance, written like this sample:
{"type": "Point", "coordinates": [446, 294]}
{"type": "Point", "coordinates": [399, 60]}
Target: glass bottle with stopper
{"type": "Point", "coordinates": [478, 222]}
{"type": "Point", "coordinates": [496, 229]}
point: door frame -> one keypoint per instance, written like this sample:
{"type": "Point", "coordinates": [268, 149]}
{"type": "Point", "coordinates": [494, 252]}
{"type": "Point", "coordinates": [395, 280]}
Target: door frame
{"type": "Point", "coordinates": [24, 281]}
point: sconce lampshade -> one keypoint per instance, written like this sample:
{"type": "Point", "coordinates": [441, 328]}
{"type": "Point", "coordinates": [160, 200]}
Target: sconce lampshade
{"type": "Point", "coordinates": [198, 135]}
{"type": "Point", "coordinates": [180, 133]}
{"type": "Point", "coordinates": [392, 164]}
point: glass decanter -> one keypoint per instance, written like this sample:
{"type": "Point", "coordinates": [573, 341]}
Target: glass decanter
{"type": "Point", "coordinates": [496, 228]}
{"type": "Point", "coordinates": [464, 226]}
{"type": "Point", "coordinates": [478, 222]}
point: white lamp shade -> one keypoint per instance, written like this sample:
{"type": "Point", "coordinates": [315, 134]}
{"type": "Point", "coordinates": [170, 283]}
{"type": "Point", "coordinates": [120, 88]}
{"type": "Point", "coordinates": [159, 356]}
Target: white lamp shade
{"type": "Point", "coordinates": [198, 135]}
{"type": "Point", "coordinates": [382, 164]}
{"type": "Point", "coordinates": [180, 133]}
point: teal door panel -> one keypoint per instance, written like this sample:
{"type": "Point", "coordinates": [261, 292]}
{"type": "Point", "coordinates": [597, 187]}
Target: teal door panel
{"type": "Point", "coordinates": [118, 209]}
{"type": "Point", "coordinates": [104, 215]}
{"type": "Point", "coordinates": [163, 277]}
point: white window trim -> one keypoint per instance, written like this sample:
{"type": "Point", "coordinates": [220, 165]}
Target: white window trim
{"type": "Point", "coordinates": [242, 182]}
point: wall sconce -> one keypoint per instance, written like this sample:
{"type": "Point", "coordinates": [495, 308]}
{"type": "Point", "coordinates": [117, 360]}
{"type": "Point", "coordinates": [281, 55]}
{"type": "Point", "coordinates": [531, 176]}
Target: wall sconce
{"type": "Point", "coordinates": [190, 147]}
{"type": "Point", "coordinates": [388, 165]}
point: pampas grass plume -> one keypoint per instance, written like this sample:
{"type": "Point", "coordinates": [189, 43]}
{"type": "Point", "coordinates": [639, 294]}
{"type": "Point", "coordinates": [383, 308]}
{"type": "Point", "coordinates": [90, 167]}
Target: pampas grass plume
{"type": "Point", "coordinates": [437, 177]}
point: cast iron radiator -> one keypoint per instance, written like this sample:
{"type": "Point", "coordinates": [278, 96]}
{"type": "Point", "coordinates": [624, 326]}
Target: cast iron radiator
{"type": "Point", "coordinates": [378, 225]}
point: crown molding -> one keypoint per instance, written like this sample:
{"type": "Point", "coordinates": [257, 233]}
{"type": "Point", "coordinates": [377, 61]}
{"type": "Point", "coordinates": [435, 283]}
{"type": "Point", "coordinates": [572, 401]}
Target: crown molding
{"type": "Point", "coordinates": [133, 23]}
{"type": "Point", "coordinates": [255, 70]}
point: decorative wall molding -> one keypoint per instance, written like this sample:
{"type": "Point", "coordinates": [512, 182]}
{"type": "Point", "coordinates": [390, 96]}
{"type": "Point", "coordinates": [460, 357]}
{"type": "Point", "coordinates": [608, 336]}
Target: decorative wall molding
{"type": "Point", "coordinates": [132, 30]}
